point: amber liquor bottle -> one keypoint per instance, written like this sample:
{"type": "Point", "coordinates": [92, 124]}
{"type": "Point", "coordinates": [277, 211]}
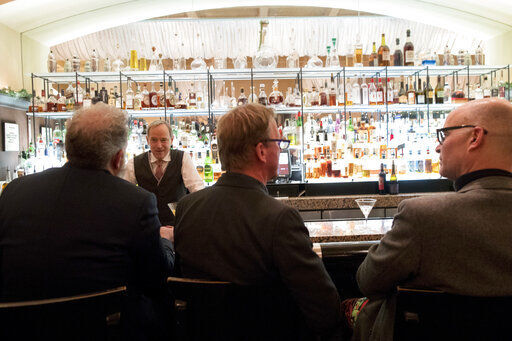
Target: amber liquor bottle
{"type": "Point", "coordinates": [373, 57]}
{"type": "Point", "coordinates": [383, 53]}
{"type": "Point", "coordinates": [408, 50]}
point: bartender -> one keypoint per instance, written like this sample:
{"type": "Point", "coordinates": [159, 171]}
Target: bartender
{"type": "Point", "coordinates": [166, 172]}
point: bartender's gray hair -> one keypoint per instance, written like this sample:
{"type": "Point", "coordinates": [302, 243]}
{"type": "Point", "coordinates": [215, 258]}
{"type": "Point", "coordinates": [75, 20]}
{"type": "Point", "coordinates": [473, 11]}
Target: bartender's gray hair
{"type": "Point", "coordinates": [94, 135]}
{"type": "Point", "coordinates": [158, 123]}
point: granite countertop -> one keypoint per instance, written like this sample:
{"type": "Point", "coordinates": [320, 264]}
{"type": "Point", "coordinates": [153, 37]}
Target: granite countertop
{"type": "Point", "coordinates": [348, 230]}
{"type": "Point", "coordinates": [348, 201]}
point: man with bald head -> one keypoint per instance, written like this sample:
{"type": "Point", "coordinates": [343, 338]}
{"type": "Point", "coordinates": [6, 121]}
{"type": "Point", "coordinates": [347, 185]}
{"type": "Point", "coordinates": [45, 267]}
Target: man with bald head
{"type": "Point", "coordinates": [455, 242]}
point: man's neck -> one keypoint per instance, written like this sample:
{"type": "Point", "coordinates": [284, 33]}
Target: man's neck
{"type": "Point", "coordinates": [255, 173]}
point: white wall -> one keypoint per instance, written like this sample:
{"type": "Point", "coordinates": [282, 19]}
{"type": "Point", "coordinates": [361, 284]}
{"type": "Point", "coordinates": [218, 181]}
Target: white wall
{"type": "Point", "coordinates": [499, 50]}
{"type": "Point", "coordinates": [10, 67]}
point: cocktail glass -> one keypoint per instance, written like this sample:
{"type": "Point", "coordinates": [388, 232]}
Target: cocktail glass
{"type": "Point", "coordinates": [366, 206]}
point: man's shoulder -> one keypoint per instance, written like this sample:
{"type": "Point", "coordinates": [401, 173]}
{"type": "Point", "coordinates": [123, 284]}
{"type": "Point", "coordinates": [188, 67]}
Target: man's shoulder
{"type": "Point", "coordinates": [429, 202]}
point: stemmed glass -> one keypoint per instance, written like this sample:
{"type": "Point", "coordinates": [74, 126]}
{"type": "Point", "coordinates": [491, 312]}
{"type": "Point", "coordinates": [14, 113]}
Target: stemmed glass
{"type": "Point", "coordinates": [366, 206]}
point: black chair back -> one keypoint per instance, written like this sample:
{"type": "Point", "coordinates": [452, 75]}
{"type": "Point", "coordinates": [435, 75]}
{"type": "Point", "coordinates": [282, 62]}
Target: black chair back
{"type": "Point", "coordinates": [212, 310]}
{"type": "Point", "coordinates": [435, 315]}
{"type": "Point", "coordinates": [92, 316]}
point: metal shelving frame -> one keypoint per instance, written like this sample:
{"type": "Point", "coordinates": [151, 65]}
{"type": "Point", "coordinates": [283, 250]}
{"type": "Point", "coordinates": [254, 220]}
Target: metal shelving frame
{"type": "Point", "coordinates": [298, 74]}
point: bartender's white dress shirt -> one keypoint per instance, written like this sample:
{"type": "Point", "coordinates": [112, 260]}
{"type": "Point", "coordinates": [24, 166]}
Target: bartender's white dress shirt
{"type": "Point", "coordinates": [191, 178]}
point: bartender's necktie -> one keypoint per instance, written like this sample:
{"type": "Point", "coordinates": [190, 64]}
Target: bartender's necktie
{"type": "Point", "coordinates": [159, 171]}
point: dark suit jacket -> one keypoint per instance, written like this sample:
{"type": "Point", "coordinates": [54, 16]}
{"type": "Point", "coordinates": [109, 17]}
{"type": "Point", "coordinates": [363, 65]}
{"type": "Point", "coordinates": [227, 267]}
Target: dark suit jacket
{"type": "Point", "coordinates": [235, 231]}
{"type": "Point", "coordinates": [71, 230]}
{"type": "Point", "coordinates": [456, 242]}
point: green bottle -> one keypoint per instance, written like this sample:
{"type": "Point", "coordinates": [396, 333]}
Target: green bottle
{"type": "Point", "coordinates": [208, 170]}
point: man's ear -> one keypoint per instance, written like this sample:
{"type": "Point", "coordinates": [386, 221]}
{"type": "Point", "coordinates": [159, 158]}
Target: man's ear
{"type": "Point", "coordinates": [261, 152]}
{"type": "Point", "coordinates": [118, 160]}
{"type": "Point", "coordinates": [477, 138]}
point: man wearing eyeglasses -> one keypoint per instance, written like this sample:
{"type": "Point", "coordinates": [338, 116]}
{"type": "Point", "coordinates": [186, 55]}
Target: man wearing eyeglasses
{"type": "Point", "coordinates": [234, 231]}
{"type": "Point", "coordinates": [457, 242]}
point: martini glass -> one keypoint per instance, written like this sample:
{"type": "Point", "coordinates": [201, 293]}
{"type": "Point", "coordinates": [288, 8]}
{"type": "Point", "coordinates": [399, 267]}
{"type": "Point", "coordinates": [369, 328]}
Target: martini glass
{"type": "Point", "coordinates": [366, 206]}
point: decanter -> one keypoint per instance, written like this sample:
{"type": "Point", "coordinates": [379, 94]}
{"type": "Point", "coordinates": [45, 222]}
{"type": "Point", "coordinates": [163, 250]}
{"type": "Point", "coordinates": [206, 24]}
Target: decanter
{"type": "Point", "coordinates": [75, 64]}
{"type": "Point", "coordinates": [198, 63]}
{"type": "Point", "coordinates": [117, 64]}
{"type": "Point", "coordinates": [266, 57]}
{"type": "Point", "coordinates": [314, 61]}
{"type": "Point", "coordinates": [240, 62]}
{"type": "Point", "coordinates": [334, 61]}
{"type": "Point", "coordinates": [276, 97]}
{"type": "Point", "coordinates": [52, 62]}
{"type": "Point", "coordinates": [153, 66]}
{"type": "Point", "coordinates": [292, 61]}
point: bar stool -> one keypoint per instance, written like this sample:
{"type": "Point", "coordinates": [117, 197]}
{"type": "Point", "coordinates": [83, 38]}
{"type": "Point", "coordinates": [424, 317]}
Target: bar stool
{"type": "Point", "coordinates": [91, 316]}
{"type": "Point", "coordinates": [435, 315]}
{"type": "Point", "coordinates": [216, 310]}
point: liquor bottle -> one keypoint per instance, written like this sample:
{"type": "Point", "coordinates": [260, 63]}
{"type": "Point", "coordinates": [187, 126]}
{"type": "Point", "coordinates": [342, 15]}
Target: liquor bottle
{"type": "Point", "coordinates": [276, 97]}
{"type": "Point", "coordinates": [398, 57]}
{"type": "Point", "coordinates": [380, 93]}
{"type": "Point", "coordinates": [87, 100]}
{"type": "Point", "coordinates": [88, 66]}
{"type": "Point", "coordinates": [104, 95]}
{"type": "Point", "coordinates": [34, 104]}
{"type": "Point", "coordinates": [429, 96]}
{"type": "Point", "coordinates": [192, 98]}
{"type": "Point", "coordinates": [252, 96]}
{"type": "Point", "coordinates": [447, 92]}
{"type": "Point", "coordinates": [107, 67]}
{"type": "Point", "coordinates": [396, 91]}
{"type": "Point", "coordinates": [389, 91]}
{"type": "Point", "coordinates": [67, 66]}
{"type": "Point", "coordinates": [494, 89]}
{"type": "Point", "coordinates": [117, 97]}
{"type": "Point", "coordinates": [242, 99]}
{"type": "Point", "coordinates": [382, 180]}
{"type": "Point", "coordinates": [334, 60]}
{"type": "Point", "coordinates": [402, 94]}
{"type": "Point", "coordinates": [408, 50]}
{"type": "Point", "coordinates": [332, 93]}
{"type": "Point", "coordinates": [208, 170]}
{"type": "Point", "coordinates": [314, 99]}
{"type": "Point", "coordinates": [439, 91]}
{"type": "Point", "coordinates": [75, 64]}
{"type": "Point", "coordinates": [447, 56]}
{"type": "Point", "coordinates": [117, 64]}
{"type": "Point", "coordinates": [365, 100]}
{"type": "Point", "coordinates": [262, 96]}
{"type": "Point", "coordinates": [170, 97]}
{"type": "Point", "coordinates": [411, 93]}
{"type": "Point", "coordinates": [478, 92]}
{"type": "Point", "coordinates": [96, 98]}
{"type": "Point", "coordinates": [112, 98]}
{"type": "Point", "coordinates": [153, 98]}
{"type": "Point", "coordinates": [79, 96]}
{"type": "Point", "coordinates": [479, 56]}
{"type": "Point", "coordinates": [95, 61]}
{"type": "Point", "coordinates": [51, 104]}
{"type": "Point", "coordinates": [292, 61]}
{"type": "Point", "coordinates": [160, 96]}
{"type": "Point", "coordinates": [486, 88]}
{"type": "Point", "coordinates": [372, 93]}
{"type": "Point", "coordinates": [138, 99]}
{"type": "Point", "coordinates": [383, 53]}
{"type": "Point", "coordinates": [146, 103]}
{"type": "Point", "coordinates": [356, 93]}
{"type": "Point", "coordinates": [420, 93]}
{"type": "Point", "coordinates": [341, 95]}
{"type": "Point", "coordinates": [129, 96]}
{"type": "Point", "coordinates": [374, 58]}
{"type": "Point", "coordinates": [61, 102]}
{"type": "Point", "coordinates": [70, 102]}
{"type": "Point", "coordinates": [358, 52]}
{"type": "Point", "coordinates": [323, 95]}
{"type": "Point", "coordinates": [41, 104]}
{"type": "Point", "coordinates": [134, 61]}
{"type": "Point", "coordinates": [52, 62]}
{"type": "Point", "coordinates": [393, 183]}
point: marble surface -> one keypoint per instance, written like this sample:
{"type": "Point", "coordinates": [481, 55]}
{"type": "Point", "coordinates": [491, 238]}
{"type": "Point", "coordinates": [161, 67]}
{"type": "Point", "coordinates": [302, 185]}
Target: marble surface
{"type": "Point", "coordinates": [348, 201]}
{"type": "Point", "coordinates": [329, 231]}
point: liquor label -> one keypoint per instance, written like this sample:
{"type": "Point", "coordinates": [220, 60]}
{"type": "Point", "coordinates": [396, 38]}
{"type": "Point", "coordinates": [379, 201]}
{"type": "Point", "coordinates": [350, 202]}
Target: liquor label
{"type": "Point", "coordinates": [494, 92]}
{"type": "Point", "coordinates": [409, 56]}
{"type": "Point", "coordinates": [385, 55]}
{"type": "Point", "coordinates": [440, 94]}
{"type": "Point", "coordinates": [390, 96]}
{"type": "Point", "coordinates": [146, 100]}
{"type": "Point", "coordinates": [373, 97]}
{"type": "Point", "coordinates": [380, 96]}
{"type": "Point", "coordinates": [154, 101]}
{"type": "Point", "coordinates": [381, 183]}
{"type": "Point", "coordinates": [421, 99]}
{"type": "Point", "coordinates": [411, 98]}
{"type": "Point", "coordinates": [136, 104]}
{"type": "Point", "coordinates": [129, 103]}
{"type": "Point", "coordinates": [431, 94]}
{"type": "Point", "coordinates": [365, 96]}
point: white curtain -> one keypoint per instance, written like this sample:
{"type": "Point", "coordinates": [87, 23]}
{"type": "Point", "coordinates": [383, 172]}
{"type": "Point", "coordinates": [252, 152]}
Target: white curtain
{"type": "Point", "coordinates": [232, 37]}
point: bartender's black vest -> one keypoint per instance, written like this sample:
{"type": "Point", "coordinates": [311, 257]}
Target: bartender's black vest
{"type": "Point", "coordinates": [171, 187]}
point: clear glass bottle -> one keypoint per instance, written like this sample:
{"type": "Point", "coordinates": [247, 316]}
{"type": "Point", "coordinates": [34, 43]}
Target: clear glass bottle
{"type": "Point", "coordinates": [153, 65]}
{"type": "Point", "coordinates": [146, 103]}
{"type": "Point", "coordinates": [67, 66]}
{"type": "Point", "coordinates": [117, 64]}
{"type": "Point", "coordinates": [137, 99]}
{"type": "Point", "coordinates": [365, 100]}
{"type": "Point", "coordinates": [372, 92]}
{"type": "Point", "coordinates": [242, 99]}
{"type": "Point", "coordinates": [447, 56]}
{"type": "Point", "coordinates": [61, 102]}
{"type": "Point", "coordinates": [161, 96]}
{"type": "Point", "coordinates": [358, 52]}
{"type": "Point", "coordinates": [95, 61]}
{"type": "Point", "coordinates": [87, 100]}
{"type": "Point", "coordinates": [240, 62]}
{"type": "Point", "coordinates": [75, 64]}
{"type": "Point", "coordinates": [314, 99]}
{"type": "Point", "coordinates": [266, 57]}
{"type": "Point", "coordinates": [52, 62]}
{"type": "Point", "coordinates": [253, 98]}
{"type": "Point", "coordinates": [356, 93]}
{"type": "Point", "coordinates": [334, 60]}
{"type": "Point", "coordinates": [107, 67]}
{"type": "Point", "coordinates": [314, 61]}
{"type": "Point", "coordinates": [292, 61]}
{"type": "Point", "coordinates": [129, 96]}
{"type": "Point", "coordinates": [262, 96]}
{"type": "Point", "coordinates": [479, 56]}
{"type": "Point", "coordinates": [170, 97]}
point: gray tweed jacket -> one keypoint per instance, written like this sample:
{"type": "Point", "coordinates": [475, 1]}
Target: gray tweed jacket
{"type": "Point", "coordinates": [458, 242]}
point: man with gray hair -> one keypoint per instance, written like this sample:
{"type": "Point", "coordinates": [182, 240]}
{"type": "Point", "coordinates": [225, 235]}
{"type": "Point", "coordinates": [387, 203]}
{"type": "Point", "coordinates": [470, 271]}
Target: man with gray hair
{"type": "Point", "coordinates": [80, 228]}
{"type": "Point", "coordinates": [235, 231]}
{"type": "Point", "coordinates": [166, 172]}
{"type": "Point", "coordinates": [455, 242]}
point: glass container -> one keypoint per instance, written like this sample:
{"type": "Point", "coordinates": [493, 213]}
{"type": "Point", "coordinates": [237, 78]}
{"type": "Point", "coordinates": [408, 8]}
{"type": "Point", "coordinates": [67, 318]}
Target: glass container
{"type": "Point", "coordinates": [266, 57]}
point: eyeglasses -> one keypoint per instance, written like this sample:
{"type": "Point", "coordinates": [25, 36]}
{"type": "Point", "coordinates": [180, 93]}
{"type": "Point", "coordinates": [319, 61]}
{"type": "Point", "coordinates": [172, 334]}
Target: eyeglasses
{"type": "Point", "coordinates": [283, 144]}
{"type": "Point", "coordinates": [441, 132]}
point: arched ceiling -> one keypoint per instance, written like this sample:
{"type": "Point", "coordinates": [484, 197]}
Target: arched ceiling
{"type": "Point", "coordinates": [51, 22]}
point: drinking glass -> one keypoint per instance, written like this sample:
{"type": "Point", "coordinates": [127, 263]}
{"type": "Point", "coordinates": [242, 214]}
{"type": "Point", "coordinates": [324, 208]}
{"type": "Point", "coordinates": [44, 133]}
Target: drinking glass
{"type": "Point", "coordinates": [366, 206]}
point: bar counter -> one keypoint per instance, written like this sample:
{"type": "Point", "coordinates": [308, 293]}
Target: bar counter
{"type": "Point", "coordinates": [348, 230]}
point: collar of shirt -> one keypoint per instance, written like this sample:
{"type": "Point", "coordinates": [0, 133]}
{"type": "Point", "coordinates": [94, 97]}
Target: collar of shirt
{"type": "Point", "coordinates": [153, 159]}
{"type": "Point", "coordinates": [469, 177]}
